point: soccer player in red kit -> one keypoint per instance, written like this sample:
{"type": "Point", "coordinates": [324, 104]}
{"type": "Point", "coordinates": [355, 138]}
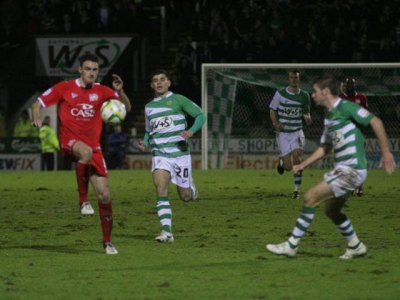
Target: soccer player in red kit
{"type": "Point", "coordinates": [349, 93]}
{"type": "Point", "coordinates": [79, 104]}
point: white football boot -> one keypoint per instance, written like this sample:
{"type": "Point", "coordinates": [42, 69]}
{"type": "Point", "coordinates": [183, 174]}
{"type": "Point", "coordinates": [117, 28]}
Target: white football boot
{"type": "Point", "coordinates": [165, 237]}
{"type": "Point", "coordinates": [281, 249]}
{"type": "Point", "coordinates": [87, 209]}
{"type": "Point", "coordinates": [110, 249]}
{"type": "Point", "coordinates": [350, 253]}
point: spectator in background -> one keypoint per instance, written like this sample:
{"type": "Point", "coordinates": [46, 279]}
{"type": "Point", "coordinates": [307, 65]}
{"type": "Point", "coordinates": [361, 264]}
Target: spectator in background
{"type": "Point", "coordinates": [117, 142]}
{"type": "Point", "coordinates": [103, 16]}
{"type": "Point", "coordinates": [67, 25]}
{"type": "Point", "coordinates": [11, 18]}
{"type": "Point", "coordinates": [49, 144]}
{"type": "Point", "coordinates": [24, 127]}
{"type": "Point", "coordinates": [349, 93]}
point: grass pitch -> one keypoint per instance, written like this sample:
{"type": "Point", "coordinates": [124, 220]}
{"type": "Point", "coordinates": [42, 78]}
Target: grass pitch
{"type": "Point", "coordinates": [48, 251]}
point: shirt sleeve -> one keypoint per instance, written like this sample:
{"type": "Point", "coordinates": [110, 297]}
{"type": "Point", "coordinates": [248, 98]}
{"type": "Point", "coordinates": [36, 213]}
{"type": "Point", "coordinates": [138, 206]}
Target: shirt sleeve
{"type": "Point", "coordinates": [307, 104]}
{"type": "Point", "coordinates": [359, 114]}
{"type": "Point", "coordinates": [275, 101]}
{"type": "Point", "coordinates": [110, 94]}
{"type": "Point", "coordinates": [194, 111]}
{"type": "Point", "coordinates": [53, 95]}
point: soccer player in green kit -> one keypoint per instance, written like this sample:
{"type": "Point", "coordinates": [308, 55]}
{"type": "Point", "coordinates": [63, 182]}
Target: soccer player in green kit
{"type": "Point", "coordinates": [342, 135]}
{"type": "Point", "coordinates": [166, 136]}
{"type": "Point", "coordinates": [287, 109]}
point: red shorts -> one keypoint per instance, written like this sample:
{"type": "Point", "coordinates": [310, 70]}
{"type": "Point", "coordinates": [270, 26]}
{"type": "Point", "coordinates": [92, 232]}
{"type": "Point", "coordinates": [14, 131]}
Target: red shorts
{"type": "Point", "coordinates": [98, 164]}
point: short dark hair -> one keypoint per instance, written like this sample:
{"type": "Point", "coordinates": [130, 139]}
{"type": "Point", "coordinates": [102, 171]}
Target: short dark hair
{"type": "Point", "coordinates": [88, 57]}
{"type": "Point", "coordinates": [349, 80]}
{"type": "Point", "coordinates": [330, 82]}
{"type": "Point", "coordinates": [296, 71]}
{"type": "Point", "coordinates": [160, 71]}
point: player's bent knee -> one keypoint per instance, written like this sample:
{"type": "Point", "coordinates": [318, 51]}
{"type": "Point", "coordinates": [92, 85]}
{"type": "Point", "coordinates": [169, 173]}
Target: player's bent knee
{"type": "Point", "coordinates": [186, 196]}
{"type": "Point", "coordinates": [89, 154]}
{"type": "Point", "coordinates": [104, 197]}
{"type": "Point", "coordinates": [310, 199]}
{"type": "Point", "coordinates": [86, 155]}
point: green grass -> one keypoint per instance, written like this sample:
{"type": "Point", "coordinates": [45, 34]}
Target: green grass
{"type": "Point", "coordinates": [47, 251]}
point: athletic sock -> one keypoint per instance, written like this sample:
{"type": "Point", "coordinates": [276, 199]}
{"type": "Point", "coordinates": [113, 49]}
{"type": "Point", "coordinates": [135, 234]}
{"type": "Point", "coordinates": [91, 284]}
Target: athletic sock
{"type": "Point", "coordinates": [347, 230]}
{"type": "Point", "coordinates": [298, 178]}
{"type": "Point", "coordinates": [82, 178]}
{"type": "Point", "coordinates": [303, 222]}
{"type": "Point", "coordinates": [164, 213]}
{"type": "Point", "coordinates": [106, 219]}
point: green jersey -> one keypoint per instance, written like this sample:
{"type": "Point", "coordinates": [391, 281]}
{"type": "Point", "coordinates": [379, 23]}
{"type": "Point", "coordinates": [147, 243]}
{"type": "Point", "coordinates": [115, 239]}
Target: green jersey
{"type": "Point", "coordinates": [290, 108]}
{"type": "Point", "coordinates": [166, 120]}
{"type": "Point", "coordinates": [342, 133]}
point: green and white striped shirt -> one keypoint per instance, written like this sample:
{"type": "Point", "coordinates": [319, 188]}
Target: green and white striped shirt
{"type": "Point", "coordinates": [166, 120]}
{"type": "Point", "coordinates": [290, 108]}
{"type": "Point", "coordinates": [342, 133]}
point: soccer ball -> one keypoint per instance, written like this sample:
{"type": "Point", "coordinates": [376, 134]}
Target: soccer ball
{"type": "Point", "coordinates": [113, 112]}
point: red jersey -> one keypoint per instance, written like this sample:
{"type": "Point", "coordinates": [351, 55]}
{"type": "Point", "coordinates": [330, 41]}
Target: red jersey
{"type": "Point", "coordinates": [79, 110]}
{"type": "Point", "coordinates": [358, 98]}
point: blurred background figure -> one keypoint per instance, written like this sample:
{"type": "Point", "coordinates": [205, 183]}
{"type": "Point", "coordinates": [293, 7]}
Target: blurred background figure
{"type": "Point", "coordinates": [3, 130]}
{"type": "Point", "coordinates": [24, 127]}
{"type": "Point", "coordinates": [49, 144]}
{"type": "Point", "coordinates": [117, 142]}
{"type": "Point", "coordinates": [349, 93]}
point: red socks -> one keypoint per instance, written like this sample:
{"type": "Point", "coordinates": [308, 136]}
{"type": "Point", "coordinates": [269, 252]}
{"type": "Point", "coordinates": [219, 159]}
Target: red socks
{"type": "Point", "coordinates": [105, 212]}
{"type": "Point", "coordinates": [82, 178]}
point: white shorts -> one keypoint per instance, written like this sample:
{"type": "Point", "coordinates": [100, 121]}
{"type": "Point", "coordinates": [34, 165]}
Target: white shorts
{"type": "Point", "coordinates": [180, 169]}
{"type": "Point", "coordinates": [343, 180]}
{"type": "Point", "coordinates": [290, 141]}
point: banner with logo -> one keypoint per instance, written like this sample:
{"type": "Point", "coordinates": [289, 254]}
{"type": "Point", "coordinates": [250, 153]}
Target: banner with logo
{"type": "Point", "coordinates": [236, 145]}
{"type": "Point", "coordinates": [20, 162]}
{"type": "Point", "coordinates": [20, 145]}
{"type": "Point", "coordinates": [257, 154]}
{"type": "Point", "coordinates": [59, 56]}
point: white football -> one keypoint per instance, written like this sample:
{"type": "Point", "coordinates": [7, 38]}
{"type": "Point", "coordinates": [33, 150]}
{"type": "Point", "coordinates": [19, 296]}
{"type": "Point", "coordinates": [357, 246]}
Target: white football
{"type": "Point", "coordinates": [113, 111]}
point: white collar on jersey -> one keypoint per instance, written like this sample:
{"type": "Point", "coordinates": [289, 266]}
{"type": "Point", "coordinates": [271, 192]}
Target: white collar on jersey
{"type": "Point", "coordinates": [337, 102]}
{"type": "Point", "coordinates": [169, 94]}
{"type": "Point", "coordinates": [289, 92]}
{"type": "Point", "coordinates": [78, 83]}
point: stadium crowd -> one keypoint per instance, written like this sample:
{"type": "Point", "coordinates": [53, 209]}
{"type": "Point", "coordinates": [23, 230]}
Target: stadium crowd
{"type": "Point", "coordinates": [227, 31]}
{"type": "Point", "coordinates": [285, 31]}
{"type": "Point", "coordinates": [256, 31]}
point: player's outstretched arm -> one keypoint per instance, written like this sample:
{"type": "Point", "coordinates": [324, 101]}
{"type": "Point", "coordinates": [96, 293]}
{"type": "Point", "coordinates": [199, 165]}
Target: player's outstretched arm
{"type": "Point", "coordinates": [36, 120]}
{"type": "Point", "coordinates": [387, 161]}
{"type": "Point", "coordinates": [118, 85]}
{"type": "Point", "coordinates": [144, 145]}
{"type": "Point", "coordinates": [320, 152]}
{"type": "Point", "coordinates": [141, 146]}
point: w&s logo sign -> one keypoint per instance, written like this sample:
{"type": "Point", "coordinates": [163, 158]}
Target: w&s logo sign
{"type": "Point", "coordinates": [60, 56]}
